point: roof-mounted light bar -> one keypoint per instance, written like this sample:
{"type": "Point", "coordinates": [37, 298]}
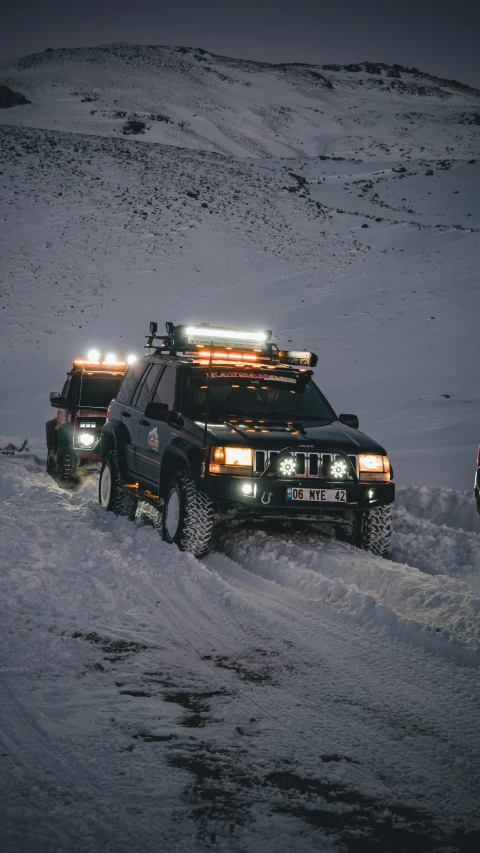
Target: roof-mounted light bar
{"type": "Point", "coordinates": [228, 344]}
{"type": "Point", "coordinates": [86, 362]}
{"type": "Point", "coordinates": [207, 334]}
{"type": "Point", "coordinates": [95, 358]}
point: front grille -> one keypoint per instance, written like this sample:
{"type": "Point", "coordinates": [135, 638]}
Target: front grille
{"type": "Point", "coordinates": [308, 465]}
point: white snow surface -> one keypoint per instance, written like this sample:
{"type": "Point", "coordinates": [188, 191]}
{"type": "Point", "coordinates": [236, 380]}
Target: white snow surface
{"type": "Point", "coordinates": [284, 692]}
{"type": "Point", "coordinates": [280, 693]}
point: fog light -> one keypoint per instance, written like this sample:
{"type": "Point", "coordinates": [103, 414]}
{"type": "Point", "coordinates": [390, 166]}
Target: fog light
{"type": "Point", "coordinates": [248, 488]}
{"type": "Point", "coordinates": [287, 466]}
{"type": "Point", "coordinates": [339, 469]}
{"type": "Point", "coordinates": [86, 439]}
{"type": "Point", "coordinates": [371, 493]}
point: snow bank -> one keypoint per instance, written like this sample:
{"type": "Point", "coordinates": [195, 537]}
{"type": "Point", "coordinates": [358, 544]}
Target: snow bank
{"type": "Point", "coordinates": [440, 505]}
{"type": "Point", "coordinates": [440, 613]}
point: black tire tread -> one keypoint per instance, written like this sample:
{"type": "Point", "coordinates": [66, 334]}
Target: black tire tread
{"type": "Point", "coordinates": [376, 530]}
{"type": "Point", "coordinates": [66, 467]}
{"type": "Point", "coordinates": [198, 516]}
{"type": "Point", "coordinates": [122, 503]}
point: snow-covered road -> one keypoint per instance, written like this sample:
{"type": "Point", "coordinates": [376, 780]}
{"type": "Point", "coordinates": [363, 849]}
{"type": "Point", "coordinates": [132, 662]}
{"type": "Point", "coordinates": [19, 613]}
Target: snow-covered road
{"type": "Point", "coordinates": [283, 693]}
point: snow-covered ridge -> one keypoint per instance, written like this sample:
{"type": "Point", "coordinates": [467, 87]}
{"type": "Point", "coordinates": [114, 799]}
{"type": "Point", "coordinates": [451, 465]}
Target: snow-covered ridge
{"type": "Point", "coordinates": [190, 98]}
{"type": "Point", "coordinates": [348, 258]}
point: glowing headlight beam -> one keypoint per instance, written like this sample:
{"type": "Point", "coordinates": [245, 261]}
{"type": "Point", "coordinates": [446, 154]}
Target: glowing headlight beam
{"type": "Point", "coordinates": [86, 439]}
{"type": "Point", "coordinates": [238, 456]}
{"type": "Point", "coordinates": [373, 462]}
{"type": "Point", "coordinates": [131, 359]}
{"type": "Point", "coordinates": [110, 358]}
{"type": "Point", "coordinates": [93, 355]}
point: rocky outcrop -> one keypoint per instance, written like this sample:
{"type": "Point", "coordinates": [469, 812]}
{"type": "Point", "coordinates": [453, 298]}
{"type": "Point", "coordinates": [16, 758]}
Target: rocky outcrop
{"type": "Point", "coordinates": [9, 98]}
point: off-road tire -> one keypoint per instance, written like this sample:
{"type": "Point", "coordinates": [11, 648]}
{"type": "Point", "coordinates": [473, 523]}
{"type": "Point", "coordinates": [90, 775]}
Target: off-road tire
{"type": "Point", "coordinates": [111, 494]}
{"type": "Point", "coordinates": [376, 530]}
{"type": "Point", "coordinates": [195, 511]}
{"type": "Point", "coordinates": [66, 466]}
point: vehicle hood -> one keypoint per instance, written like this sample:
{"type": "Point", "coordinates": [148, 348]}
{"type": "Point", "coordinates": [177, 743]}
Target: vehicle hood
{"type": "Point", "coordinates": [324, 437]}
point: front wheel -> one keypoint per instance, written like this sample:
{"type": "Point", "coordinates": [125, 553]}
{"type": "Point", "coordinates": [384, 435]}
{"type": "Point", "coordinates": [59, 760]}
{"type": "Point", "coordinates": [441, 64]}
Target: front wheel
{"type": "Point", "coordinates": [375, 530]}
{"type": "Point", "coordinates": [111, 494]}
{"type": "Point", "coordinates": [62, 465]}
{"type": "Point", "coordinates": [188, 515]}
{"type": "Point", "coordinates": [66, 469]}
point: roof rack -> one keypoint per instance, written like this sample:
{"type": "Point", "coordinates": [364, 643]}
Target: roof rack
{"type": "Point", "coordinates": [224, 345]}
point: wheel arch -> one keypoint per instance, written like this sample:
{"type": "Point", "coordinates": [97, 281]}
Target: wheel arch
{"type": "Point", "coordinates": [63, 436]}
{"type": "Point", "coordinates": [178, 459]}
{"type": "Point", "coordinates": [114, 437]}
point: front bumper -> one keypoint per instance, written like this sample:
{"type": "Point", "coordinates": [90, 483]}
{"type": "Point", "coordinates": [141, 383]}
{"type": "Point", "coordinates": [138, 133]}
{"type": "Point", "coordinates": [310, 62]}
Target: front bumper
{"type": "Point", "coordinates": [270, 495]}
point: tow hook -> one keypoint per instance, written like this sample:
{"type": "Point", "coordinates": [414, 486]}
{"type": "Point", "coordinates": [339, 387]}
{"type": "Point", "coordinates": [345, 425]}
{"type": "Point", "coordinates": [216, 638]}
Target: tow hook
{"type": "Point", "coordinates": [265, 499]}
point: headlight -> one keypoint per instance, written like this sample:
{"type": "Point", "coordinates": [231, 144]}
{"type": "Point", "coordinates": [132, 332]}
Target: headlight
{"type": "Point", "coordinates": [86, 439]}
{"type": "Point", "coordinates": [372, 466]}
{"type": "Point", "coordinates": [287, 466]}
{"type": "Point", "coordinates": [339, 469]}
{"type": "Point", "coordinates": [230, 460]}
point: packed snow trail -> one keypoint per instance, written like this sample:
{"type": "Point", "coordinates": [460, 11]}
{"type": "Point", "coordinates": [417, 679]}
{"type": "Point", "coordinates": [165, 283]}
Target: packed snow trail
{"type": "Point", "coordinates": [152, 701]}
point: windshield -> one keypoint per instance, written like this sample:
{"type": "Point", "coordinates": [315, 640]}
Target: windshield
{"type": "Point", "coordinates": [242, 396]}
{"type": "Point", "coordinates": [96, 390]}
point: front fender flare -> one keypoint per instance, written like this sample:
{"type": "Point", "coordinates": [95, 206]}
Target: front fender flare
{"type": "Point", "coordinates": [114, 437]}
{"type": "Point", "coordinates": [176, 459]}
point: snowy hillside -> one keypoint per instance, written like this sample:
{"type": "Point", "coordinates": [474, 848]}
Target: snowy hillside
{"type": "Point", "coordinates": [285, 692]}
{"type": "Point", "coordinates": [371, 259]}
{"type": "Point", "coordinates": [190, 98]}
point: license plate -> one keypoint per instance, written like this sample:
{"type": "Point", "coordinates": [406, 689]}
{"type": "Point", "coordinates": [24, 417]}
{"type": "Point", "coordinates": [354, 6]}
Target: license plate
{"type": "Point", "coordinates": [331, 495]}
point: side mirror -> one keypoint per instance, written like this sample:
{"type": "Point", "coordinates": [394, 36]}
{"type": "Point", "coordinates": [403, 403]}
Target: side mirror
{"type": "Point", "coordinates": [57, 400]}
{"type": "Point", "coordinates": [349, 420]}
{"type": "Point", "coordinates": [156, 411]}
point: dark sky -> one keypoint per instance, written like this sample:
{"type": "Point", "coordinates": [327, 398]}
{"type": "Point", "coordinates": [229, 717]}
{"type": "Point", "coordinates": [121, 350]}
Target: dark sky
{"type": "Point", "coordinates": [435, 35]}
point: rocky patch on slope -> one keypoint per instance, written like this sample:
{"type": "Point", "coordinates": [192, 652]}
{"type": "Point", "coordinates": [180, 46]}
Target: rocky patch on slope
{"type": "Point", "coordinates": [9, 98]}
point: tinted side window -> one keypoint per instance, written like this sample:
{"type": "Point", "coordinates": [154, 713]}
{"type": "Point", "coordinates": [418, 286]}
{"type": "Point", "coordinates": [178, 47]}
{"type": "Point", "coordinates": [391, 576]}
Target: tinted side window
{"type": "Point", "coordinates": [141, 393]}
{"type": "Point", "coordinates": [125, 392]}
{"type": "Point", "coordinates": [145, 389]}
{"type": "Point", "coordinates": [165, 390]}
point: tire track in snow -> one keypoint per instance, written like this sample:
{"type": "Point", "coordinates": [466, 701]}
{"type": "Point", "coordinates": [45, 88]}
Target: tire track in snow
{"type": "Point", "coordinates": [439, 614]}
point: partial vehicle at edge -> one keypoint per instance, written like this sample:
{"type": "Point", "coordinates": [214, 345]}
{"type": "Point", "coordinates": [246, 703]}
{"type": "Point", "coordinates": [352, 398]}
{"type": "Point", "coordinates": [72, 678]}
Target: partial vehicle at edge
{"type": "Point", "coordinates": [73, 436]}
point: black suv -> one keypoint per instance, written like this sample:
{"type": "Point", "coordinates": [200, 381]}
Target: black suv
{"type": "Point", "coordinates": [215, 419]}
{"type": "Point", "coordinates": [73, 437]}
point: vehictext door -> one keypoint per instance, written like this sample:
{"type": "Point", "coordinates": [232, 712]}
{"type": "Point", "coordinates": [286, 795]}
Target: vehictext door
{"type": "Point", "coordinates": [155, 436]}
{"type": "Point", "coordinates": [127, 414]}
